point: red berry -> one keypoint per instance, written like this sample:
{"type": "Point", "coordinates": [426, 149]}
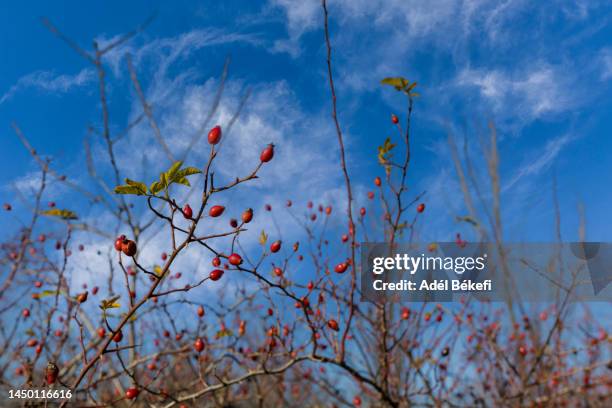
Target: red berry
{"type": "Point", "coordinates": [118, 337]}
{"type": "Point", "coordinates": [270, 312]}
{"type": "Point", "coordinates": [268, 207]}
{"type": "Point", "coordinates": [214, 136]}
{"type": "Point", "coordinates": [332, 324]}
{"type": "Point", "coordinates": [523, 351]}
{"type": "Point", "coordinates": [362, 211]}
{"type": "Point", "coordinates": [94, 290]}
{"type": "Point", "coordinates": [345, 237]}
{"type": "Point", "coordinates": [101, 332]}
{"type": "Point", "coordinates": [357, 401]}
{"type": "Point", "coordinates": [216, 274]}
{"type": "Point", "coordinates": [199, 345]}
{"type": "Point", "coordinates": [310, 285]}
{"type": "Point", "coordinates": [51, 373]}
{"type": "Point", "coordinates": [51, 204]}
{"type": "Point", "coordinates": [247, 215]}
{"type": "Point", "coordinates": [394, 119]}
{"type": "Point", "coordinates": [200, 311]}
{"type": "Point", "coordinates": [278, 271]}
{"type": "Point", "coordinates": [38, 284]}
{"type": "Point", "coordinates": [405, 313]}
{"type": "Point", "coordinates": [119, 243]}
{"type": "Point", "coordinates": [328, 210]}
{"type": "Point", "coordinates": [216, 261]}
{"type": "Point", "coordinates": [42, 238]}
{"type": "Point", "coordinates": [371, 195]}
{"type": "Point", "coordinates": [543, 316]}
{"type": "Point", "coordinates": [276, 246]}
{"type": "Point", "coordinates": [7, 207]}
{"type": "Point", "coordinates": [187, 211]}
{"type": "Point", "coordinates": [267, 154]}
{"type": "Point", "coordinates": [164, 256]}
{"type": "Point", "coordinates": [377, 181]}
{"type": "Point", "coordinates": [131, 393]}
{"type": "Point", "coordinates": [32, 343]}
{"type": "Point", "coordinates": [341, 267]}
{"type": "Point", "coordinates": [216, 210]}
{"type": "Point", "coordinates": [289, 203]}
{"type": "Point", "coordinates": [235, 259]}
{"type": "Point", "coordinates": [234, 223]}
{"type": "Point", "coordinates": [421, 208]}
{"type": "Point", "coordinates": [129, 247]}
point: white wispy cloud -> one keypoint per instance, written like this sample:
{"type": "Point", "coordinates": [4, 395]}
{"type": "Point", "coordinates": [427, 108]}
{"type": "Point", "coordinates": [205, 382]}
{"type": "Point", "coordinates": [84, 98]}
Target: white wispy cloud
{"type": "Point", "coordinates": [541, 161]}
{"type": "Point", "coordinates": [524, 93]}
{"type": "Point", "coordinates": [49, 82]}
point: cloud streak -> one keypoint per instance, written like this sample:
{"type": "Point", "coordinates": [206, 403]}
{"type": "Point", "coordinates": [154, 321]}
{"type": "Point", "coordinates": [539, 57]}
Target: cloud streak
{"type": "Point", "coordinates": [49, 82]}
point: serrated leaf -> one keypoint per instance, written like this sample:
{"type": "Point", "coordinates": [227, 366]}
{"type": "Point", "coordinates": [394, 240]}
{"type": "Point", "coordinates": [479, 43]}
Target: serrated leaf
{"type": "Point", "coordinates": [263, 238]}
{"type": "Point", "coordinates": [65, 214]}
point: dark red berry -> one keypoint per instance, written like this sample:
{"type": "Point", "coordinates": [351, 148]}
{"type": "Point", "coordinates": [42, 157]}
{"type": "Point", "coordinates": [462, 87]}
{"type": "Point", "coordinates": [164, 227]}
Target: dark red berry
{"type": "Point", "coordinates": [421, 208]}
{"type": "Point", "coordinates": [214, 136]}
{"type": "Point", "coordinates": [341, 267]}
{"type": "Point", "coordinates": [216, 274]}
{"type": "Point", "coordinates": [235, 259]}
{"type": "Point", "coordinates": [267, 154]}
{"type": "Point", "coordinates": [131, 393]}
{"type": "Point", "coordinates": [276, 246]}
{"type": "Point", "coordinates": [394, 119]}
{"type": "Point", "coordinates": [129, 247]}
{"type": "Point", "coordinates": [118, 337]}
{"type": "Point", "coordinates": [187, 212]}
{"type": "Point", "coordinates": [51, 373]}
{"type": "Point", "coordinates": [199, 345]}
{"type": "Point", "coordinates": [216, 210]}
{"type": "Point", "coordinates": [332, 324]}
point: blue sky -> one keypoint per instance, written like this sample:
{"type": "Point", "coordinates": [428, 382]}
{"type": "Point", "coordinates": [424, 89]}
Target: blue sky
{"type": "Point", "coordinates": [541, 71]}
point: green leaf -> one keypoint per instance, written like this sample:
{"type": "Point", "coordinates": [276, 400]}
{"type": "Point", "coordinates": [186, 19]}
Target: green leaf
{"type": "Point", "coordinates": [263, 238]}
{"type": "Point", "coordinates": [140, 186]}
{"type": "Point", "coordinates": [173, 170]}
{"type": "Point", "coordinates": [65, 214]}
{"type": "Point", "coordinates": [223, 333]}
{"type": "Point", "coordinates": [128, 190]}
{"type": "Point", "coordinates": [46, 293]}
{"type": "Point", "coordinates": [398, 83]}
{"type": "Point", "coordinates": [110, 303]}
{"type": "Point", "coordinates": [156, 187]}
{"type": "Point", "coordinates": [183, 181]}
{"type": "Point", "coordinates": [188, 171]}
